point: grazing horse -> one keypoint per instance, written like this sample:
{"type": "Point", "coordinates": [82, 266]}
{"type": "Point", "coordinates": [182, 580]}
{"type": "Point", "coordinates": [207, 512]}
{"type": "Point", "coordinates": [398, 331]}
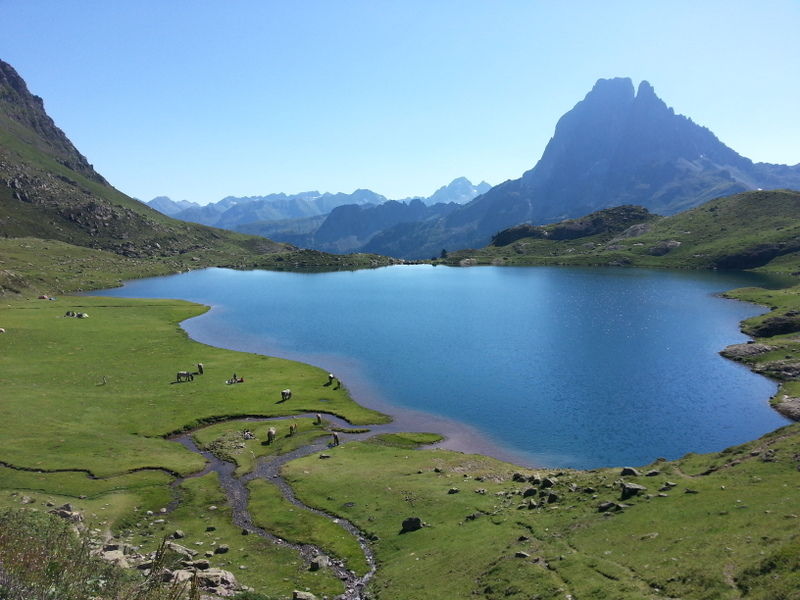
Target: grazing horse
{"type": "Point", "coordinates": [184, 376]}
{"type": "Point", "coordinates": [318, 419]}
{"type": "Point", "coordinates": [335, 441]}
{"type": "Point", "coordinates": [2, 330]}
{"type": "Point", "coordinates": [286, 395]}
{"type": "Point", "coordinates": [271, 433]}
{"type": "Point", "coordinates": [292, 429]}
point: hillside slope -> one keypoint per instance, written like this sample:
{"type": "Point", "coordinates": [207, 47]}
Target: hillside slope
{"type": "Point", "coordinates": [49, 191]}
{"type": "Point", "coordinates": [759, 229]}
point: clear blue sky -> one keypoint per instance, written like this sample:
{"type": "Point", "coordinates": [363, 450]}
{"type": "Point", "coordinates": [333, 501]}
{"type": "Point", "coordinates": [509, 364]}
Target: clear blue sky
{"type": "Point", "coordinates": [204, 99]}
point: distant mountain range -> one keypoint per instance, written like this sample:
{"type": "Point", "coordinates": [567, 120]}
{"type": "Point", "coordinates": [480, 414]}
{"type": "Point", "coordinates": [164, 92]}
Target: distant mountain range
{"type": "Point", "coordinates": [49, 191]}
{"type": "Point", "coordinates": [337, 223]}
{"type": "Point", "coordinates": [617, 146]}
{"type": "Point", "coordinates": [232, 212]}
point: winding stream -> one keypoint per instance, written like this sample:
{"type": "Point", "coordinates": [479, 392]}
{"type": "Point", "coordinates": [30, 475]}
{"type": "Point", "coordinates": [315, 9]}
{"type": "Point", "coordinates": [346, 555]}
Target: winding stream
{"type": "Point", "coordinates": [268, 468]}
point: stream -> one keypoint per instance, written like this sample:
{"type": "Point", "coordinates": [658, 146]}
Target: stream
{"type": "Point", "coordinates": [268, 468]}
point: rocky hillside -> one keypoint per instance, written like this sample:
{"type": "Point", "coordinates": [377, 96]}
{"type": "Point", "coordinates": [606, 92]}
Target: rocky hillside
{"type": "Point", "coordinates": [615, 147]}
{"type": "Point", "coordinates": [49, 191]}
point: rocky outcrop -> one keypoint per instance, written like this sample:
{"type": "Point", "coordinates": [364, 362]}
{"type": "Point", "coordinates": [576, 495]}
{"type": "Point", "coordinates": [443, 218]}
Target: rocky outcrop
{"type": "Point", "coordinates": [789, 322]}
{"type": "Point", "coordinates": [788, 407]}
{"type": "Point", "coordinates": [746, 350]}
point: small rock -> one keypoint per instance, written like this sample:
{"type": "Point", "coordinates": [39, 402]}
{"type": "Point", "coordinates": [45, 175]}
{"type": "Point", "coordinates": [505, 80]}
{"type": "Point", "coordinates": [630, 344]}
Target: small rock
{"type": "Point", "coordinates": [521, 554]}
{"type": "Point", "coordinates": [298, 595]}
{"type": "Point", "coordinates": [221, 549]}
{"type": "Point", "coordinates": [178, 534]}
{"type": "Point", "coordinates": [453, 490]}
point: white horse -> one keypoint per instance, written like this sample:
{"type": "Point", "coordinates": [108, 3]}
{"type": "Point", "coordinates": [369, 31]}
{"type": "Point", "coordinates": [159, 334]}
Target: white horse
{"type": "Point", "coordinates": [286, 395]}
{"type": "Point", "coordinates": [271, 433]}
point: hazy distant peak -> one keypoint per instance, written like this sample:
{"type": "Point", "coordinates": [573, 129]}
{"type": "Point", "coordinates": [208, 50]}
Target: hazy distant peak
{"type": "Point", "coordinates": [460, 190]}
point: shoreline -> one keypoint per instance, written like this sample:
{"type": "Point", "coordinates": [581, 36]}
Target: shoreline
{"type": "Point", "coordinates": [458, 436]}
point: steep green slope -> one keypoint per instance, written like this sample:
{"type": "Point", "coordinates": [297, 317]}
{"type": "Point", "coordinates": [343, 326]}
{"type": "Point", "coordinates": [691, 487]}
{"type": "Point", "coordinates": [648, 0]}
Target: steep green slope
{"type": "Point", "coordinates": [759, 229]}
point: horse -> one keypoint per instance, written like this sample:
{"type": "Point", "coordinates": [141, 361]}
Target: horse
{"type": "Point", "coordinates": [335, 441]}
{"type": "Point", "coordinates": [286, 395]}
{"type": "Point", "coordinates": [292, 429]}
{"type": "Point", "coordinates": [184, 376]}
{"type": "Point", "coordinates": [271, 433]}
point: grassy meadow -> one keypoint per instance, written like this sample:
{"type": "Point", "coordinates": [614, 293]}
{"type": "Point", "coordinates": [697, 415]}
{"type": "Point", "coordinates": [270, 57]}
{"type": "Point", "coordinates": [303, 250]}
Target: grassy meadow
{"type": "Point", "coordinates": [87, 405]}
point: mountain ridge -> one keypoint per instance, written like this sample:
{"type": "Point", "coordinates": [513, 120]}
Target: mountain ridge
{"type": "Point", "coordinates": [617, 146]}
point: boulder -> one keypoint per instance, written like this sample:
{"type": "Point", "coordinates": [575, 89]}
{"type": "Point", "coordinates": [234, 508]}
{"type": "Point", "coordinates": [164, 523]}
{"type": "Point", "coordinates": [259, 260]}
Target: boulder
{"type": "Point", "coordinates": [298, 595]}
{"type": "Point", "coordinates": [217, 578]}
{"type": "Point", "coordinates": [549, 482]}
{"type": "Point", "coordinates": [629, 490]}
{"type": "Point", "coordinates": [606, 506]}
{"type": "Point", "coordinates": [318, 562]}
{"type": "Point", "coordinates": [453, 490]}
{"type": "Point", "coordinates": [117, 557]}
{"type": "Point", "coordinates": [182, 550]}
{"type": "Point", "coordinates": [182, 575]}
{"type": "Point", "coordinates": [65, 512]}
{"type": "Point", "coordinates": [221, 549]}
{"type": "Point", "coordinates": [411, 524]}
{"type": "Point", "coordinates": [529, 492]}
{"type": "Point", "coordinates": [629, 472]}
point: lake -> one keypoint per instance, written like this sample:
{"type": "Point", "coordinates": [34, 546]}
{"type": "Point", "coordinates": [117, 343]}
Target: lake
{"type": "Point", "coordinates": [552, 366]}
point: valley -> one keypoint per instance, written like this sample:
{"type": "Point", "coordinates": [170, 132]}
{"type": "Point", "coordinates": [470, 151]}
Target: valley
{"type": "Point", "coordinates": [92, 406]}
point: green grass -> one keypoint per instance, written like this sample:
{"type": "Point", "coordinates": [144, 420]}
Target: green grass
{"type": "Point", "coordinates": [267, 567]}
{"type": "Point", "coordinates": [751, 230]}
{"type": "Point", "coordinates": [685, 545]}
{"type": "Point", "coordinates": [226, 441]}
{"type": "Point", "coordinates": [277, 515]}
{"type": "Point", "coordinates": [60, 415]}
{"type": "Point", "coordinates": [786, 347]}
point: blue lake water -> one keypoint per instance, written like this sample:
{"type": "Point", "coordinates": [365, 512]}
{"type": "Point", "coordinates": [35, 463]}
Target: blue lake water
{"type": "Point", "coordinates": [562, 367]}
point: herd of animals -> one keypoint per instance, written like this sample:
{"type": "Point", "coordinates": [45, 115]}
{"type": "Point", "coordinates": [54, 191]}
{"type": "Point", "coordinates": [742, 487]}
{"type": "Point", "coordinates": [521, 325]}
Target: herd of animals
{"type": "Point", "coordinates": [286, 395]}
